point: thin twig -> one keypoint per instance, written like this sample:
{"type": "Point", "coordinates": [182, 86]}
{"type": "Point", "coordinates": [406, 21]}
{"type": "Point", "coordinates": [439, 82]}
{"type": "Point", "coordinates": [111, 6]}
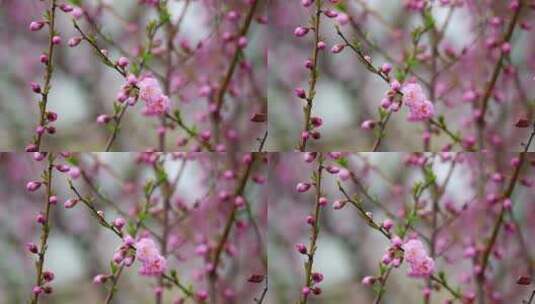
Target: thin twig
{"type": "Point", "coordinates": [313, 77]}
{"type": "Point", "coordinates": [48, 76]}
{"type": "Point", "coordinates": [45, 229]}
{"type": "Point", "coordinates": [315, 229]}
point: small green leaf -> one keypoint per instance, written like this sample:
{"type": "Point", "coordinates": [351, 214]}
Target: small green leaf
{"type": "Point", "coordinates": [113, 267]}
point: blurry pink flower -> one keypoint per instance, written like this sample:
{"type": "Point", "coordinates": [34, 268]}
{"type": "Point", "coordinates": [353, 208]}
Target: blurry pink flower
{"type": "Point", "coordinates": [149, 89]}
{"type": "Point", "coordinates": [156, 103]}
{"type": "Point", "coordinates": [146, 250]}
{"type": "Point", "coordinates": [157, 107]}
{"type": "Point", "coordinates": [153, 264]}
{"type": "Point", "coordinates": [420, 264]}
{"type": "Point", "coordinates": [154, 267]}
{"type": "Point", "coordinates": [421, 111]}
{"type": "Point", "coordinates": [414, 251]}
{"type": "Point", "coordinates": [422, 268]}
{"type": "Point", "coordinates": [413, 94]}
{"type": "Point", "coordinates": [419, 107]}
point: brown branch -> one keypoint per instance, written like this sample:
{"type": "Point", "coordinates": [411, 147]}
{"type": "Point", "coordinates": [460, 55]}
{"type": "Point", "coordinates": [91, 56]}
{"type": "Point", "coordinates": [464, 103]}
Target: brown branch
{"type": "Point", "coordinates": [230, 72]}
{"type": "Point", "coordinates": [313, 77]}
{"type": "Point", "coordinates": [495, 74]}
{"type": "Point", "coordinates": [228, 226]}
{"type": "Point", "coordinates": [497, 225]}
{"type": "Point", "coordinates": [48, 76]}
{"type": "Point", "coordinates": [315, 230]}
{"type": "Point", "coordinates": [45, 229]}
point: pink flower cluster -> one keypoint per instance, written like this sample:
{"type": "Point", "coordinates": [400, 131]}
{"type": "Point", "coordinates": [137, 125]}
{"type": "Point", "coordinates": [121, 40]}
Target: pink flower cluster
{"type": "Point", "coordinates": [420, 264]}
{"type": "Point", "coordinates": [153, 264]}
{"type": "Point", "coordinates": [156, 103]}
{"type": "Point", "coordinates": [419, 107]}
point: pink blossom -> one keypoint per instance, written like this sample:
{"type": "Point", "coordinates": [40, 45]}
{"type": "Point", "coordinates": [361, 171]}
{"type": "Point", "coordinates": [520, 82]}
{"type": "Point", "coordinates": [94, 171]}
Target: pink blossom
{"type": "Point", "coordinates": [156, 103]}
{"type": "Point", "coordinates": [146, 250]}
{"type": "Point", "coordinates": [414, 251]}
{"type": "Point", "coordinates": [157, 107]}
{"type": "Point", "coordinates": [422, 268]}
{"type": "Point", "coordinates": [419, 107]}
{"type": "Point", "coordinates": [420, 264]}
{"type": "Point", "coordinates": [413, 94]}
{"type": "Point", "coordinates": [153, 264]}
{"type": "Point", "coordinates": [149, 89]}
{"type": "Point", "coordinates": [421, 111]}
{"type": "Point", "coordinates": [154, 267]}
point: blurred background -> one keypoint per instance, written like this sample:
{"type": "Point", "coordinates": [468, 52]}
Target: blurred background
{"type": "Point", "coordinates": [347, 94]}
{"type": "Point", "coordinates": [348, 249]}
{"type": "Point", "coordinates": [79, 248]}
{"type": "Point", "coordinates": [83, 87]}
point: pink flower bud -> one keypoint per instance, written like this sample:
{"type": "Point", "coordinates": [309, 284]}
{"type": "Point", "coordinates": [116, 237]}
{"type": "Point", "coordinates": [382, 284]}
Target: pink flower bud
{"type": "Point", "coordinates": [37, 290]}
{"type": "Point", "coordinates": [506, 48]}
{"type": "Point", "coordinates": [56, 40]}
{"type": "Point", "coordinates": [128, 241]}
{"type": "Point", "coordinates": [316, 121]}
{"type": "Point", "coordinates": [32, 248]}
{"type": "Point", "coordinates": [338, 205]}
{"type": "Point", "coordinates": [368, 280]}
{"type": "Point", "coordinates": [395, 85]}
{"type": "Point", "coordinates": [344, 174]}
{"type": "Point", "coordinates": [242, 42]}
{"type": "Point", "coordinates": [388, 224]}
{"type": "Point", "coordinates": [307, 3]}
{"type": "Point", "coordinates": [48, 276]}
{"type": "Point", "coordinates": [100, 278]}
{"type": "Point", "coordinates": [239, 201]}
{"type": "Point", "coordinates": [33, 186]}
{"type": "Point", "coordinates": [119, 223]}
{"type": "Point", "coordinates": [77, 13]}
{"type": "Point", "coordinates": [317, 277]}
{"type": "Point", "coordinates": [368, 124]}
{"type": "Point", "coordinates": [74, 41]}
{"type": "Point", "coordinates": [43, 58]}
{"type": "Point", "coordinates": [36, 88]}
{"type": "Point", "coordinates": [301, 31]}
{"type": "Point", "coordinates": [201, 295]}
{"type": "Point", "coordinates": [301, 248]}
{"type": "Point", "coordinates": [36, 25]}
{"type": "Point", "coordinates": [386, 68]}
{"type": "Point", "coordinates": [507, 203]}
{"type": "Point", "coordinates": [103, 119]}
{"type": "Point", "coordinates": [122, 62]}
{"type": "Point", "coordinates": [300, 92]}
{"type": "Point", "coordinates": [66, 7]}
{"type": "Point", "coordinates": [302, 187]}
{"type": "Point", "coordinates": [337, 48]}
{"type": "Point", "coordinates": [330, 13]}
{"type": "Point", "coordinates": [396, 241]}
{"type": "Point", "coordinates": [70, 203]}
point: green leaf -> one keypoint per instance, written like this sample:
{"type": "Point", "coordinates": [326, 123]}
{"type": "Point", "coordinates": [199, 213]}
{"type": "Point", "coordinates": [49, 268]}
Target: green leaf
{"type": "Point", "coordinates": [72, 160]}
{"type": "Point", "coordinates": [76, 2]}
{"type": "Point", "coordinates": [429, 20]}
{"type": "Point", "coordinates": [161, 175]}
{"type": "Point", "coordinates": [147, 189]}
{"type": "Point", "coordinates": [165, 16]}
{"type": "Point", "coordinates": [131, 228]}
{"type": "Point", "coordinates": [341, 7]}
{"type": "Point", "coordinates": [343, 162]}
{"type": "Point", "coordinates": [113, 267]}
